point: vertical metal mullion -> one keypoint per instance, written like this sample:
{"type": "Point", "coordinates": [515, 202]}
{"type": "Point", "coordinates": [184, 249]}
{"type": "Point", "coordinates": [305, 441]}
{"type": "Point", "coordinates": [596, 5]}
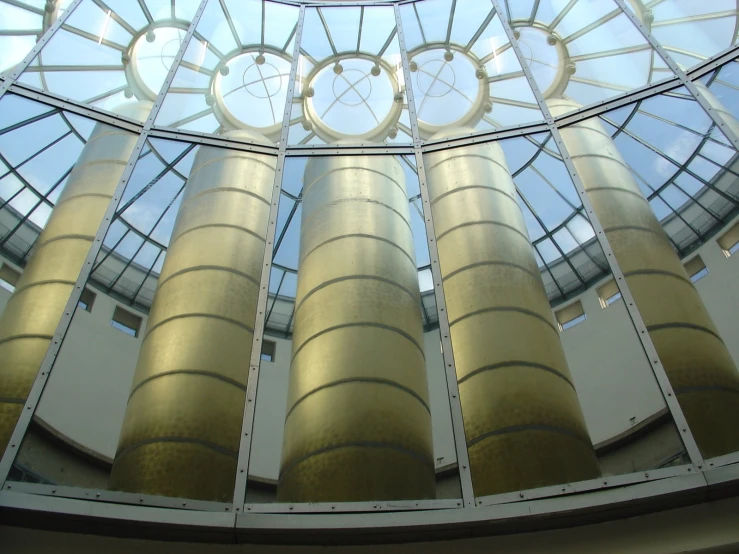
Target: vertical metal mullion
{"type": "Point", "coordinates": [684, 79]}
{"type": "Point", "coordinates": [460, 440]}
{"type": "Point", "coordinates": [42, 376]}
{"type": "Point", "coordinates": [646, 342]}
{"type": "Point", "coordinates": [247, 423]}
{"type": "Point", "coordinates": [21, 67]}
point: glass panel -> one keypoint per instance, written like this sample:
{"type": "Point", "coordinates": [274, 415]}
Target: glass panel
{"type": "Point", "coordinates": [235, 73]}
{"type": "Point", "coordinates": [688, 171]}
{"type": "Point", "coordinates": [147, 393]}
{"type": "Point", "coordinates": [356, 389]}
{"type": "Point", "coordinates": [586, 50]}
{"type": "Point", "coordinates": [350, 85]}
{"type": "Point", "coordinates": [105, 54]}
{"type": "Point", "coordinates": [466, 77]}
{"type": "Point", "coordinates": [544, 404]}
{"type": "Point", "coordinates": [21, 24]}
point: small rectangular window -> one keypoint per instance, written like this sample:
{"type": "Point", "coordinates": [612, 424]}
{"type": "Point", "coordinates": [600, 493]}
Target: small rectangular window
{"type": "Point", "coordinates": [86, 300]}
{"type": "Point", "coordinates": [8, 277]}
{"type": "Point", "coordinates": [269, 350]}
{"type": "Point", "coordinates": [570, 316]}
{"type": "Point", "coordinates": [126, 321]}
{"type": "Point", "coordinates": [696, 269]}
{"type": "Point", "coordinates": [729, 241]}
{"type": "Point", "coordinates": [608, 293]}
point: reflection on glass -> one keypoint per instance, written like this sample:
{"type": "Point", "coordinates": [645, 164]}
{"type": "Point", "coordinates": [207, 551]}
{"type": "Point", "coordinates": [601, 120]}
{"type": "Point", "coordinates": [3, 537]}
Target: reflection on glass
{"type": "Point", "coordinates": [350, 85]}
{"type": "Point", "coordinates": [32, 314]}
{"type": "Point", "coordinates": [235, 72]}
{"type": "Point", "coordinates": [357, 349]}
{"type": "Point", "coordinates": [105, 54]}
{"type": "Point", "coordinates": [464, 71]}
{"type": "Point", "coordinates": [21, 25]}
{"type": "Point", "coordinates": [695, 357]}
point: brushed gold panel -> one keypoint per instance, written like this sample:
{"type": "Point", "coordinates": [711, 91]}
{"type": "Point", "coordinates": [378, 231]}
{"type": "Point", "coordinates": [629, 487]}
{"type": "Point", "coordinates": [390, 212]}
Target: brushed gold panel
{"type": "Point", "coordinates": [341, 475]}
{"type": "Point", "coordinates": [323, 361]}
{"type": "Point", "coordinates": [696, 361]}
{"type": "Point", "coordinates": [202, 344]}
{"type": "Point", "coordinates": [513, 461]}
{"type": "Point", "coordinates": [194, 361]}
{"type": "Point", "coordinates": [358, 321]}
{"type": "Point", "coordinates": [59, 253]}
{"type": "Point", "coordinates": [158, 469]}
{"type": "Point", "coordinates": [713, 415]}
{"type": "Point", "coordinates": [509, 358]}
{"type": "Point", "coordinates": [186, 406]}
{"type": "Point", "coordinates": [517, 395]}
{"type": "Point", "coordinates": [370, 413]}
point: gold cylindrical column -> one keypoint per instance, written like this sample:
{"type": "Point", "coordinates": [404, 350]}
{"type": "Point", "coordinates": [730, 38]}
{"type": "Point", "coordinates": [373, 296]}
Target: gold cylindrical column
{"type": "Point", "coordinates": [694, 356]}
{"type": "Point", "coordinates": [33, 312]}
{"type": "Point", "coordinates": [358, 425]}
{"type": "Point", "coordinates": [181, 431]}
{"type": "Point", "coordinates": [523, 422]}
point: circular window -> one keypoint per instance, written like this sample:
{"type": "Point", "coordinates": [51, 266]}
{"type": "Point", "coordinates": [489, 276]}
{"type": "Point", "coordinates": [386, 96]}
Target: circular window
{"type": "Point", "coordinates": [151, 57]}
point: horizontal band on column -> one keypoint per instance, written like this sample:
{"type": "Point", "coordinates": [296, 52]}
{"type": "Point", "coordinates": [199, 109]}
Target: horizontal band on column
{"type": "Point", "coordinates": [513, 363]}
{"type": "Point", "coordinates": [683, 325]}
{"type": "Point", "coordinates": [361, 236]}
{"type": "Point", "coordinates": [506, 309]}
{"type": "Point", "coordinates": [482, 264]}
{"type": "Point", "coordinates": [361, 324]}
{"type": "Point", "coordinates": [9, 400]}
{"type": "Point", "coordinates": [345, 200]}
{"type": "Point", "coordinates": [389, 446]}
{"type": "Point", "coordinates": [28, 336]}
{"type": "Point", "coordinates": [658, 272]}
{"type": "Point", "coordinates": [602, 157]}
{"type": "Point", "coordinates": [210, 316]}
{"type": "Point", "coordinates": [233, 156]}
{"type": "Point", "coordinates": [521, 428]}
{"type": "Point", "coordinates": [634, 228]}
{"type": "Point", "coordinates": [307, 186]}
{"type": "Point", "coordinates": [471, 187]}
{"type": "Point", "coordinates": [465, 156]}
{"type": "Point", "coordinates": [181, 440]}
{"type": "Point", "coordinates": [325, 284]}
{"type": "Point", "coordinates": [196, 372]}
{"type": "Point", "coordinates": [102, 161]}
{"type": "Point", "coordinates": [705, 388]}
{"type": "Point", "coordinates": [584, 126]}
{"type": "Point", "coordinates": [618, 189]}
{"type": "Point", "coordinates": [369, 380]}
{"type": "Point", "coordinates": [89, 238]}
{"type": "Point", "coordinates": [483, 222]}
{"type": "Point", "coordinates": [217, 190]}
{"type": "Point", "coordinates": [85, 195]}
{"type": "Point", "coordinates": [220, 225]}
{"type": "Point", "coordinates": [210, 268]}
{"type": "Point", "coordinates": [45, 282]}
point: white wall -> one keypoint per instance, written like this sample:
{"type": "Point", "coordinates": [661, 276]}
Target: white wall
{"type": "Point", "coordinates": [86, 394]}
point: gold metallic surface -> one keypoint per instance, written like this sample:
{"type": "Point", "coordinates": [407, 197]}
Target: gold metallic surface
{"type": "Point", "coordinates": [181, 431]}
{"type": "Point", "coordinates": [358, 425]}
{"type": "Point", "coordinates": [33, 312]}
{"type": "Point", "coordinates": [523, 422]}
{"type": "Point", "coordinates": [696, 360]}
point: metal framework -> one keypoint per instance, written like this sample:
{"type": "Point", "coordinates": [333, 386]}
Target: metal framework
{"type": "Point", "coordinates": [696, 478]}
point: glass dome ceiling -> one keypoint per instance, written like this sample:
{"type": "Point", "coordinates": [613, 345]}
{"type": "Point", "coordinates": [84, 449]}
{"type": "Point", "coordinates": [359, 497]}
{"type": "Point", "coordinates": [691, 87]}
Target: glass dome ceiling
{"type": "Point", "coordinates": [350, 88]}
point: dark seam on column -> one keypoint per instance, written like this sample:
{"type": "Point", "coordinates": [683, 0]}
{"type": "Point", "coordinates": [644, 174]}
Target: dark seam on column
{"type": "Point", "coordinates": [483, 222]}
{"type": "Point", "coordinates": [520, 428]}
{"type": "Point", "coordinates": [481, 264]}
{"type": "Point", "coordinates": [514, 363]}
{"type": "Point", "coordinates": [181, 440]}
{"type": "Point", "coordinates": [198, 372]}
{"type": "Point", "coordinates": [26, 336]}
{"type": "Point", "coordinates": [345, 200]}
{"type": "Point", "coordinates": [44, 282]}
{"type": "Point", "coordinates": [219, 225]}
{"type": "Point", "coordinates": [682, 325]}
{"type": "Point", "coordinates": [183, 316]}
{"type": "Point", "coordinates": [506, 309]}
{"type": "Point", "coordinates": [470, 187]}
{"type": "Point", "coordinates": [207, 268]}
{"type": "Point", "coordinates": [363, 236]}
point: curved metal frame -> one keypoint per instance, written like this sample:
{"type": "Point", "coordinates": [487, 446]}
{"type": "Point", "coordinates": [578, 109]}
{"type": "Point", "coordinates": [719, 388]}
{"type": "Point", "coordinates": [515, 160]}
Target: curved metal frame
{"type": "Point", "coordinates": [694, 482]}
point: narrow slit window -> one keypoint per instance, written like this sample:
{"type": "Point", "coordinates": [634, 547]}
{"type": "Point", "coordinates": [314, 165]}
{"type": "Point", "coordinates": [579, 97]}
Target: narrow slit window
{"type": "Point", "coordinates": [696, 269]}
{"type": "Point", "coordinates": [9, 277]}
{"type": "Point", "coordinates": [269, 350]}
{"type": "Point", "coordinates": [729, 241]}
{"type": "Point", "coordinates": [126, 321]}
{"type": "Point", "coordinates": [570, 316]}
{"type": "Point", "coordinates": [608, 293]}
{"type": "Point", "coordinates": [87, 299]}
